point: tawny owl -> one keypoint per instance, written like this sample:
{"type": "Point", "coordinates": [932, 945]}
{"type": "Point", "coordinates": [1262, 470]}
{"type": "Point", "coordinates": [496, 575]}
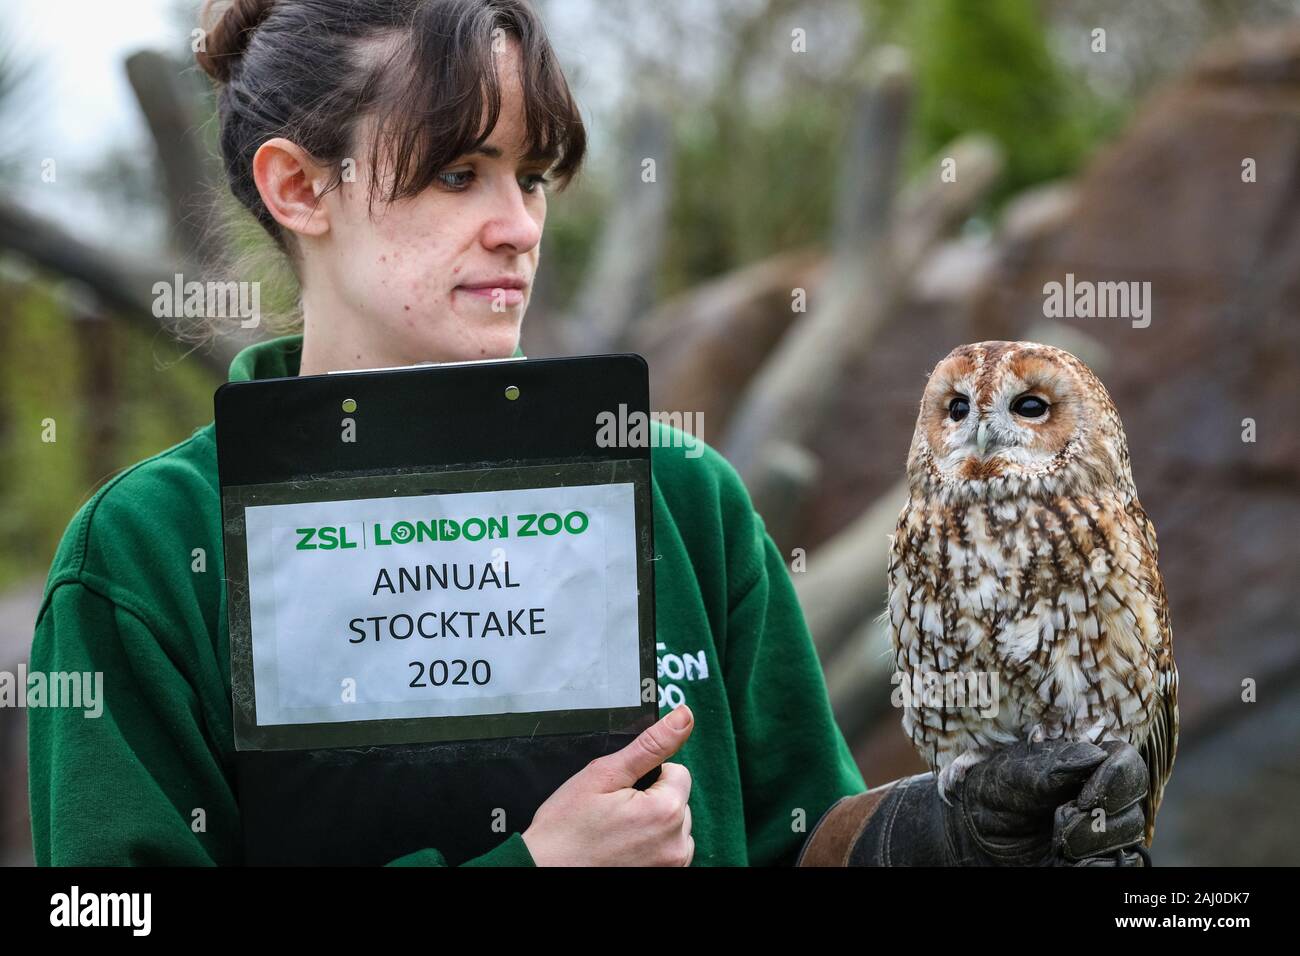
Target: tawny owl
{"type": "Point", "coordinates": [1024, 566]}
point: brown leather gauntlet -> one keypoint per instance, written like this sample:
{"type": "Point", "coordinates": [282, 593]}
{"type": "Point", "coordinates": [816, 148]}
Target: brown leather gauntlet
{"type": "Point", "coordinates": [841, 827]}
{"type": "Point", "coordinates": [1030, 804]}
{"type": "Point", "coordinates": [901, 823]}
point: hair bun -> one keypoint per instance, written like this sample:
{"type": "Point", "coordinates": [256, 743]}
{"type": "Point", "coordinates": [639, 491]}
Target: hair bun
{"type": "Point", "coordinates": [227, 37]}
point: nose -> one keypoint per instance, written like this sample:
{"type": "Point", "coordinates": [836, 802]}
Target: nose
{"type": "Point", "coordinates": [511, 222]}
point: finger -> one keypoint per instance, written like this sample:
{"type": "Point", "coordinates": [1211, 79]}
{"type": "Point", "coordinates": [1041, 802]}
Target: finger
{"type": "Point", "coordinates": [674, 778]}
{"type": "Point", "coordinates": [1028, 778]}
{"type": "Point", "coordinates": [651, 747]}
{"type": "Point", "coordinates": [686, 835]}
{"type": "Point", "coordinates": [1084, 833]}
{"type": "Point", "coordinates": [1121, 781]}
{"type": "Point", "coordinates": [1071, 765]}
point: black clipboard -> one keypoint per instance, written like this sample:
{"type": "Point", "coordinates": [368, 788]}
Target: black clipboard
{"type": "Point", "coordinates": [368, 791]}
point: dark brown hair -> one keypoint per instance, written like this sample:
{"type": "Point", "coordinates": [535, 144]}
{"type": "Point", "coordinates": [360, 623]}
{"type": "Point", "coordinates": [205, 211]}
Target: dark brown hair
{"type": "Point", "coordinates": [422, 71]}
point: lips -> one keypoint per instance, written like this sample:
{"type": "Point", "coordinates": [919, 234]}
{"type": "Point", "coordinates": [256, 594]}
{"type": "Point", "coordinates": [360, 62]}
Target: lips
{"type": "Point", "coordinates": [508, 290]}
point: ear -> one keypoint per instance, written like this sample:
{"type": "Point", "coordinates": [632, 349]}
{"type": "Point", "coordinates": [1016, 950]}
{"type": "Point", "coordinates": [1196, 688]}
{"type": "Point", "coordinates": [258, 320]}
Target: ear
{"type": "Point", "coordinates": [289, 181]}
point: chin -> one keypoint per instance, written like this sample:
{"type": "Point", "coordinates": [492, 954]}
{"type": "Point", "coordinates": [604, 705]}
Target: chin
{"type": "Point", "coordinates": [498, 343]}
{"type": "Point", "coordinates": [481, 344]}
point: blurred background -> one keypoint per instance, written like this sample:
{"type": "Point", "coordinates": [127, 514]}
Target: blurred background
{"type": "Point", "coordinates": [844, 190]}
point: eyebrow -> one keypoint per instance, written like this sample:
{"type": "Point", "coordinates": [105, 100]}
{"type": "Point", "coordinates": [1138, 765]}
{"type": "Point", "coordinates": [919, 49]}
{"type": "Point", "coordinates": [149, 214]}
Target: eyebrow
{"type": "Point", "coordinates": [494, 152]}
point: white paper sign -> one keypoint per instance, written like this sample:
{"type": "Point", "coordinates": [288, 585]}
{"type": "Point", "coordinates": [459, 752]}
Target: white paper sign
{"type": "Point", "coordinates": [444, 605]}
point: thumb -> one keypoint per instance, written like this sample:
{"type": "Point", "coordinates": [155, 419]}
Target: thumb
{"type": "Point", "coordinates": [652, 747]}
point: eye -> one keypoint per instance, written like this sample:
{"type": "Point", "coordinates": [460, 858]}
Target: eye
{"type": "Point", "coordinates": [533, 181]}
{"type": "Point", "coordinates": [959, 408]}
{"type": "Point", "coordinates": [1029, 406]}
{"type": "Point", "coordinates": [451, 181]}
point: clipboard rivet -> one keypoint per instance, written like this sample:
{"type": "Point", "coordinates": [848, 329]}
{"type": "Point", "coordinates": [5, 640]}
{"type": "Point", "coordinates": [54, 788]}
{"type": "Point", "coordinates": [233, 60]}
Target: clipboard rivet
{"type": "Point", "coordinates": [349, 405]}
{"type": "Point", "coordinates": [512, 392]}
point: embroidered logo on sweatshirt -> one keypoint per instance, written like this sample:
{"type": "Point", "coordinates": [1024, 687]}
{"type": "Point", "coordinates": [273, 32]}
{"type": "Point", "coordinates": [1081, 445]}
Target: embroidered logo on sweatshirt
{"type": "Point", "coordinates": [679, 669]}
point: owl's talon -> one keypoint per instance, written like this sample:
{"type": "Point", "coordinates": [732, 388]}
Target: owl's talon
{"type": "Point", "coordinates": [951, 776]}
{"type": "Point", "coordinates": [942, 781]}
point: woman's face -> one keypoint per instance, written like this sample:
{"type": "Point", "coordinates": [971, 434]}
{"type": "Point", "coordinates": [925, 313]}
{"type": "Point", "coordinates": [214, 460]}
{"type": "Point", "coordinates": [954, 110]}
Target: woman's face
{"type": "Point", "coordinates": [443, 276]}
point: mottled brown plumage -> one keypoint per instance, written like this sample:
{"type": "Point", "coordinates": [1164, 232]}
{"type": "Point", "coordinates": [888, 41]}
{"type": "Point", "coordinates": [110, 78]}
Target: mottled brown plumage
{"type": "Point", "coordinates": [1023, 557]}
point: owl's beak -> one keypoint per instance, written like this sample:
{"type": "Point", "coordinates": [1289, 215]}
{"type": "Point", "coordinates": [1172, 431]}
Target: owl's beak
{"type": "Point", "coordinates": [982, 438]}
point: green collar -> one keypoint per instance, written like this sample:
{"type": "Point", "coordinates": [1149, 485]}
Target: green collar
{"type": "Point", "coordinates": [276, 358]}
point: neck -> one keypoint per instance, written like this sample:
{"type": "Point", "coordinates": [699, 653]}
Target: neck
{"type": "Point", "coordinates": [332, 343]}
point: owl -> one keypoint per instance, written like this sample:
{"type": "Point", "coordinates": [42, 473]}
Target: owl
{"type": "Point", "coordinates": [1024, 596]}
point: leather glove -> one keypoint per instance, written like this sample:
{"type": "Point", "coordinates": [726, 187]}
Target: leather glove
{"type": "Point", "coordinates": [1030, 804]}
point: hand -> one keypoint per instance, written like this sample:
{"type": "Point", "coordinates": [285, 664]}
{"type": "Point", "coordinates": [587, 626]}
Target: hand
{"type": "Point", "coordinates": [1030, 804]}
{"type": "Point", "coordinates": [597, 817]}
{"type": "Point", "coordinates": [1054, 803]}
{"type": "Point", "coordinates": [1083, 837]}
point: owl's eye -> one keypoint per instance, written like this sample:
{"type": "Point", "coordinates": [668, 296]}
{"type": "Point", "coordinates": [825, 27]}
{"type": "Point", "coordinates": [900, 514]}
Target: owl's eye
{"type": "Point", "coordinates": [959, 408]}
{"type": "Point", "coordinates": [1029, 406]}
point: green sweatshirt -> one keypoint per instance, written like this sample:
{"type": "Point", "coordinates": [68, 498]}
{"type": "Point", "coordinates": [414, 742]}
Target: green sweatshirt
{"type": "Point", "coordinates": [136, 592]}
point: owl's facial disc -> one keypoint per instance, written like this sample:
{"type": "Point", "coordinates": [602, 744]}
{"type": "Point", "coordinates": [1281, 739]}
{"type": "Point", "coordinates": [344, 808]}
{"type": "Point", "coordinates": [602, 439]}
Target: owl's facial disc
{"type": "Point", "coordinates": [1003, 437]}
{"type": "Point", "coordinates": [1013, 418]}
{"type": "Point", "coordinates": [982, 428]}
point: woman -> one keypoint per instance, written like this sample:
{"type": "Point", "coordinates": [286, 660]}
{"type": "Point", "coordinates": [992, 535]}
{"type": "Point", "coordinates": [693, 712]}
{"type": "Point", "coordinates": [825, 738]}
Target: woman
{"type": "Point", "coordinates": [398, 152]}
{"type": "Point", "coordinates": [461, 109]}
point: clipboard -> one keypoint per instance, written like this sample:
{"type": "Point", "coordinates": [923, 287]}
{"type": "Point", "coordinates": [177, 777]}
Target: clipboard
{"type": "Point", "coordinates": [393, 770]}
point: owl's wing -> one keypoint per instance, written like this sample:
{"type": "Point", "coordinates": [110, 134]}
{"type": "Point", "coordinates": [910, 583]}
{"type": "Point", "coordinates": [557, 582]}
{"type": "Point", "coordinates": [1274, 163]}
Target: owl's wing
{"type": "Point", "coordinates": [915, 634]}
{"type": "Point", "coordinates": [1161, 743]}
